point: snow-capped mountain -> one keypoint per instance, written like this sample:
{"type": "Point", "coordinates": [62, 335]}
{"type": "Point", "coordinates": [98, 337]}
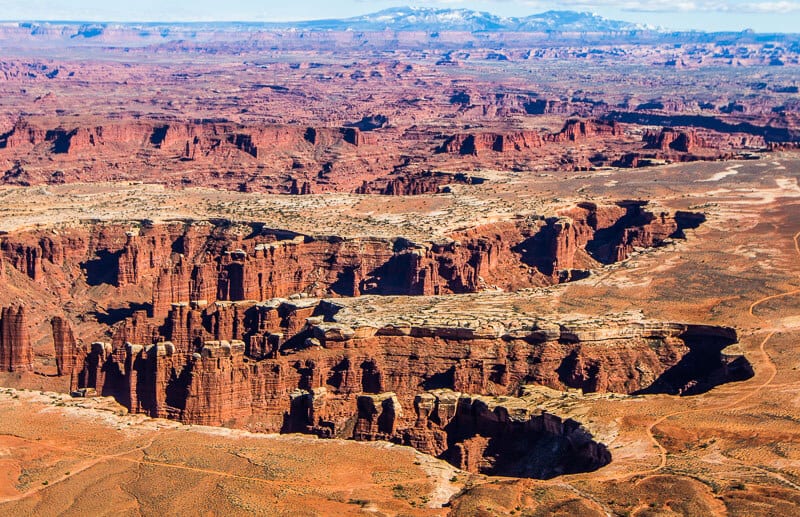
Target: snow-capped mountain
{"type": "Point", "coordinates": [427, 19]}
{"type": "Point", "coordinates": [571, 21]}
{"type": "Point", "coordinates": [431, 19]}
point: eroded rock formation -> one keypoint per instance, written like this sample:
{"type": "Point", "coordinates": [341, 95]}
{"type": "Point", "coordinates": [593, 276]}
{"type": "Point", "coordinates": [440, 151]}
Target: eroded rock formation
{"type": "Point", "coordinates": [192, 139]}
{"type": "Point", "coordinates": [292, 365]}
{"type": "Point", "coordinates": [65, 346]}
{"type": "Point", "coordinates": [518, 141]}
{"type": "Point", "coordinates": [415, 184]}
{"type": "Point", "coordinates": [499, 436]}
{"type": "Point", "coordinates": [16, 354]}
{"type": "Point", "coordinates": [184, 262]}
{"type": "Point", "coordinates": [218, 348]}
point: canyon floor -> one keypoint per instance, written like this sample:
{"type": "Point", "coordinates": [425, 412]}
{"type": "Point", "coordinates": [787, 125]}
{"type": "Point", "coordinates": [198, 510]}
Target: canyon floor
{"type": "Point", "coordinates": [734, 449]}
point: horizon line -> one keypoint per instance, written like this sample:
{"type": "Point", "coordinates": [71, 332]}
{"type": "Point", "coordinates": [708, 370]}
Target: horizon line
{"type": "Point", "coordinates": [666, 30]}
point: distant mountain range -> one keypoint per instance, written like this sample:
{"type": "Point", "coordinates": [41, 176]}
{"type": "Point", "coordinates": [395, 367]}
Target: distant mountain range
{"type": "Point", "coordinates": [430, 19]}
{"type": "Point", "coordinates": [421, 19]}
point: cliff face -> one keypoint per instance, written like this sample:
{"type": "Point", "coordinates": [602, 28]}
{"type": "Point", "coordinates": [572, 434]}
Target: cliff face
{"type": "Point", "coordinates": [415, 184]}
{"type": "Point", "coordinates": [193, 140]}
{"type": "Point", "coordinates": [478, 143]}
{"type": "Point", "coordinates": [65, 346]}
{"type": "Point", "coordinates": [201, 262]}
{"type": "Point", "coordinates": [289, 365]}
{"type": "Point", "coordinates": [509, 437]}
{"type": "Point", "coordinates": [56, 258]}
{"type": "Point", "coordinates": [520, 141]}
{"type": "Point", "coordinates": [16, 354]}
{"type": "Point", "coordinates": [668, 139]}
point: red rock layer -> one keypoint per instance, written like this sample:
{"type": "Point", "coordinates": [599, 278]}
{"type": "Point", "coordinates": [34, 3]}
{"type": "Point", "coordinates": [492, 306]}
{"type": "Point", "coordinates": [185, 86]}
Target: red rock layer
{"type": "Point", "coordinates": [517, 141]}
{"type": "Point", "coordinates": [191, 139]}
{"type": "Point", "coordinates": [480, 434]}
{"type": "Point", "coordinates": [279, 365]}
{"type": "Point", "coordinates": [16, 353]}
{"type": "Point", "coordinates": [65, 346]}
{"type": "Point", "coordinates": [669, 139]}
{"type": "Point", "coordinates": [415, 184]}
{"type": "Point", "coordinates": [203, 263]}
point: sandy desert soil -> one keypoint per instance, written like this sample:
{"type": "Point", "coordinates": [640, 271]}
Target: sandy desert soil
{"type": "Point", "coordinates": [65, 457]}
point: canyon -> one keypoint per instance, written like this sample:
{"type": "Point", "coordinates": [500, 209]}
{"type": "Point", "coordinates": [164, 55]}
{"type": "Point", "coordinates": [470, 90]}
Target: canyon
{"type": "Point", "coordinates": [406, 119]}
{"type": "Point", "coordinates": [300, 270]}
{"type": "Point", "coordinates": [217, 345]}
{"type": "Point", "coordinates": [292, 159]}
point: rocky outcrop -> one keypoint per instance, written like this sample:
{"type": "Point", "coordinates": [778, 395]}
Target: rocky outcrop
{"type": "Point", "coordinates": [582, 130]}
{"type": "Point", "coordinates": [16, 353]}
{"type": "Point", "coordinates": [65, 346]}
{"type": "Point", "coordinates": [768, 132]}
{"type": "Point", "coordinates": [219, 390]}
{"type": "Point", "coordinates": [670, 139]}
{"type": "Point", "coordinates": [22, 134]}
{"type": "Point", "coordinates": [497, 436]}
{"type": "Point", "coordinates": [97, 370]}
{"type": "Point", "coordinates": [53, 257]}
{"type": "Point", "coordinates": [519, 141]}
{"type": "Point", "coordinates": [416, 184]}
{"type": "Point", "coordinates": [32, 258]}
{"type": "Point", "coordinates": [300, 189]}
{"type": "Point", "coordinates": [478, 143]}
{"type": "Point", "coordinates": [378, 416]}
{"type": "Point", "coordinates": [293, 366]}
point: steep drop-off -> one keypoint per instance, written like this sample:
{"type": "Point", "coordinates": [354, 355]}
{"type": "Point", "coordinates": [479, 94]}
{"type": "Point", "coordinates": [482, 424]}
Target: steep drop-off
{"type": "Point", "coordinates": [292, 366]}
{"type": "Point", "coordinates": [202, 262]}
{"type": "Point", "coordinates": [217, 345]}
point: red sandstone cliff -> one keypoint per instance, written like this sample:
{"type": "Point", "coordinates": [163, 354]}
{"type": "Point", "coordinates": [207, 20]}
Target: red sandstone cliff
{"type": "Point", "coordinates": [286, 365]}
{"type": "Point", "coordinates": [65, 346]}
{"type": "Point", "coordinates": [519, 141]}
{"type": "Point", "coordinates": [202, 263]}
{"type": "Point", "coordinates": [16, 354]}
{"type": "Point", "coordinates": [483, 434]}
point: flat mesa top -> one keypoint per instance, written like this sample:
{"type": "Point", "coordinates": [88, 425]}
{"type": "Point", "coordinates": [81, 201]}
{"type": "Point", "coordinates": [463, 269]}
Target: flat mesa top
{"type": "Point", "coordinates": [343, 215]}
{"type": "Point", "coordinates": [493, 314]}
{"type": "Point", "coordinates": [428, 217]}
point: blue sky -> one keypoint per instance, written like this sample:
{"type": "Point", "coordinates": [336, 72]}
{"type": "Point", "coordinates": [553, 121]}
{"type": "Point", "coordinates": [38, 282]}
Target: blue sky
{"type": "Point", "coordinates": [760, 15]}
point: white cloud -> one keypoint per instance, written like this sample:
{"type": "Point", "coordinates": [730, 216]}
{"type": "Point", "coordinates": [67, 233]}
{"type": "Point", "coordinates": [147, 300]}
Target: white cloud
{"type": "Point", "coordinates": [720, 6]}
{"type": "Point", "coordinates": [772, 7]}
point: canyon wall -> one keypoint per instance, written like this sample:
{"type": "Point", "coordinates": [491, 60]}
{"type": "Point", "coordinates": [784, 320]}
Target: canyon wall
{"type": "Point", "coordinates": [203, 262]}
{"type": "Point", "coordinates": [291, 365]}
{"type": "Point", "coordinates": [495, 436]}
{"type": "Point", "coordinates": [190, 140]}
{"type": "Point", "coordinates": [518, 141]}
{"type": "Point", "coordinates": [16, 353]}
